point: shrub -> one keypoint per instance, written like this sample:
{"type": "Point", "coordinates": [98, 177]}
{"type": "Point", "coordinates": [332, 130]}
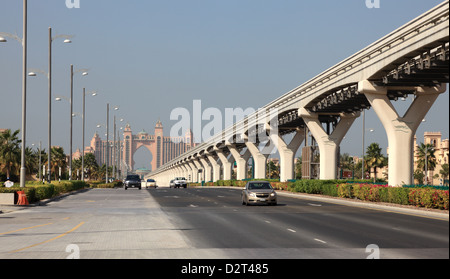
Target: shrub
{"type": "Point", "coordinates": [321, 187]}
{"type": "Point", "coordinates": [104, 185]}
{"type": "Point", "coordinates": [429, 198]}
{"type": "Point", "coordinates": [344, 190]}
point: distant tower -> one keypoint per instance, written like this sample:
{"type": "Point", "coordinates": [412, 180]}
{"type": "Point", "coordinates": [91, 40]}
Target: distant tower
{"type": "Point", "coordinates": [96, 147]}
{"type": "Point", "coordinates": [128, 146]}
{"type": "Point", "coordinates": [159, 137]}
{"type": "Point", "coordinates": [189, 139]}
{"type": "Point", "coordinates": [163, 149]}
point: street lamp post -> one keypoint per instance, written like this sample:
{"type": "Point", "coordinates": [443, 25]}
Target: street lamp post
{"type": "Point", "coordinates": [107, 140]}
{"type": "Point", "coordinates": [83, 133]}
{"type": "Point", "coordinates": [24, 88]}
{"type": "Point", "coordinates": [82, 142]}
{"type": "Point", "coordinates": [72, 72]}
{"type": "Point", "coordinates": [24, 95]}
{"type": "Point", "coordinates": [49, 77]}
{"type": "Point", "coordinates": [363, 142]}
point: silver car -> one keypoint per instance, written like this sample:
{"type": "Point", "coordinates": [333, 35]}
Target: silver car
{"type": "Point", "coordinates": [258, 192]}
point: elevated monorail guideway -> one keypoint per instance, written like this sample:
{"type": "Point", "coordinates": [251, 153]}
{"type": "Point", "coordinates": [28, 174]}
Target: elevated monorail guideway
{"type": "Point", "coordinates": [412, 60]}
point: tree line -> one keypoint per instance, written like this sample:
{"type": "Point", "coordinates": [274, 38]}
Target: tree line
{"type": "Point", "coordinates": [10, 161]}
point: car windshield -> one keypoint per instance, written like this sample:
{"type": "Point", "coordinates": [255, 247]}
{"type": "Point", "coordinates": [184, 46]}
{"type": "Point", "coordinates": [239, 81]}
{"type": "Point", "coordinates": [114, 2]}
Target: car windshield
{"type": "Point", "coordinates": [150, 180]}
{"type": "Point", "coordinates": [259, 186]}
{"type": "Point", "coordinates": [180, 178]}
{"type": "Point", "coordinates": [133, 177]}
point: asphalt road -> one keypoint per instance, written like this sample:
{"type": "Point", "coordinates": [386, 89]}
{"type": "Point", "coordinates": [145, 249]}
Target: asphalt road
{"type": "Point", "coordinates": [299, 228]}
{"type": "Point", "coordinates": [209, 223]}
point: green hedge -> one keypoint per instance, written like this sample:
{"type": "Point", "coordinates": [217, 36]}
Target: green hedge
{"type": "Point", "coordinates": [37, 191]}
{"type": "Point", "coordinates": [420, 197]}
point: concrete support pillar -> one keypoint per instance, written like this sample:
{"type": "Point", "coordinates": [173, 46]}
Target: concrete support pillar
{"type": "Point", "coordinates": [215, 167]}
{"type": "Point", "coordinates": [188, 172]}
{"type": "Point", "coordinates": [207, 169]}
{"type": "Point", "coordinates": [328, 144]}
{"type": "Point", "coordinates": [287, 153]}
{"type": "Point", "coordinates": [259, 159]}
{"type": "Point", "coordinates": [194, 171]}
{"type": "Point", "coordinates": [200, 170]}
{"type": "Point", "coordinates": [170, 174]}
{"type": "Point", "coordinates": [182, 170]}
{"type": "Point", "coordinates": [400, 130]}
{"type": "Point", "coordinates": [226, 163]}
{"type": "Point", "coordinates": [241, 162]}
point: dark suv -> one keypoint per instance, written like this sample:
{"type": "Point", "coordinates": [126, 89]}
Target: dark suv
{"type": "Point", "coordinates": [132, 180]}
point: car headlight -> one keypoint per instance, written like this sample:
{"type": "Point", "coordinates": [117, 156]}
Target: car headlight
{"type": "Point", "coordinates": [273, 194]}
{"type": "Point", "coordinates": [253, 195]}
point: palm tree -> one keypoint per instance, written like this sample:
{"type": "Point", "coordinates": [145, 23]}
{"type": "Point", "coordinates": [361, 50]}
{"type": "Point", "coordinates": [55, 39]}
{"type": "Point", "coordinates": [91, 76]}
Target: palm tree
{"type": "Point", "coordinates": [274, 170]}
{"type": "Point", "coordinates": [76, 165]}
{"type": "Point", "coordinates": [426, 151]}
{"type": "Point", "coordinates": [10, 152]}
{"type": "Point", "coordinates": [90, 163]}
{"type": "Point", "coordinates": [31, 160]}
{"type": "Point", "coordinates": [374, 159]}
{"type": "Point", "coordinates": [298, 168]}
{"type": "Point", "coordinates": [58, 160]}
{"type": "Point", "coordinates": [444, 171]}
{"type": "Point", "coordinates": [345, 161]}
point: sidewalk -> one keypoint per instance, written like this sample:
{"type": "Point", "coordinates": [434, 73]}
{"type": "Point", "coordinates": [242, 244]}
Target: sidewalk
{"type": "Point", "coordinates": [13, 208]}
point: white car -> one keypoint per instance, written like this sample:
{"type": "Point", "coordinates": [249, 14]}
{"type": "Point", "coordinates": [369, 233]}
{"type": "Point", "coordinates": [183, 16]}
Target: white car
{"type": "Point", "coordinates": [172, 184]}
{"type": "Point", "coordinates": [150, 183]}
{"type": "Point", "coordinates": [178, 182]}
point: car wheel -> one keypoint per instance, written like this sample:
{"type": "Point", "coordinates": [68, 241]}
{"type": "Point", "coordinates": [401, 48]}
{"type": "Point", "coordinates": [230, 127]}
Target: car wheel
{"type": "Point", "coordinates": [243, 201]}
{"type": "Point", "coordinates": [125, 188]}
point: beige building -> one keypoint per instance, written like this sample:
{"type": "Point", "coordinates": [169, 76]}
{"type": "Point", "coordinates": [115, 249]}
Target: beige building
{"type": "Point", "coordinates": [441, 152]}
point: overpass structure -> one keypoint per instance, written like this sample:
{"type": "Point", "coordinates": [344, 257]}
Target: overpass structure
{"type": "Point", "coordinates": [412, 60]}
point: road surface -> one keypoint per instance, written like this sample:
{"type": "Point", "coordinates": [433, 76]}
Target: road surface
{"type": "Point", "coordinates": [211, 223]}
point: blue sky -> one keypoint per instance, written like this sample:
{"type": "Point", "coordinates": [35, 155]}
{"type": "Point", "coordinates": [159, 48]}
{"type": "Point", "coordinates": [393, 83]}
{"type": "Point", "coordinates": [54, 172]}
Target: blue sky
{"type": "Point", "coordinates": [150, 57]}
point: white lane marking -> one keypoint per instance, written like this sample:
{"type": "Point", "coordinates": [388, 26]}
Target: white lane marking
{"type": "Point", "coordinates": [291, 230]}
{"type": "Point", "coordinates": [319, 240]}
{"type": "Point", "coordinates": [313, 204]}
{"type": "Point", "coordinates": [191, 205]}
{"type": "Point", "coordinates": [268, 222]}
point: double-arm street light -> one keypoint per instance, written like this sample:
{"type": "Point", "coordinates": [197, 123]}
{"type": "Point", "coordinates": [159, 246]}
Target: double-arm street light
{"type": "Point", "coordinates": [93, 93]}
{"type": "Point", "coordinates": [107, 138]}
{"type": "Point", "coordinates": [363, 171]}
{"type": "Point", "coordinates": [24, 88]}
{"type": "Point", "coordinates": [72, 73]}
{"type": "Point", "coordinates": [67, 40]}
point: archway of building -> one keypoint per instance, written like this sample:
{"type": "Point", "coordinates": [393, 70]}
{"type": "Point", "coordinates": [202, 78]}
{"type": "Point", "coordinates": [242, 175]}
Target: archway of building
{"type": "Point", "coordinates": [143, 158]}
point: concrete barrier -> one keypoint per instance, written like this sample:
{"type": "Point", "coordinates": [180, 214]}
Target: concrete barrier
{"type": "Point", "coordinates": [6, 198]}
